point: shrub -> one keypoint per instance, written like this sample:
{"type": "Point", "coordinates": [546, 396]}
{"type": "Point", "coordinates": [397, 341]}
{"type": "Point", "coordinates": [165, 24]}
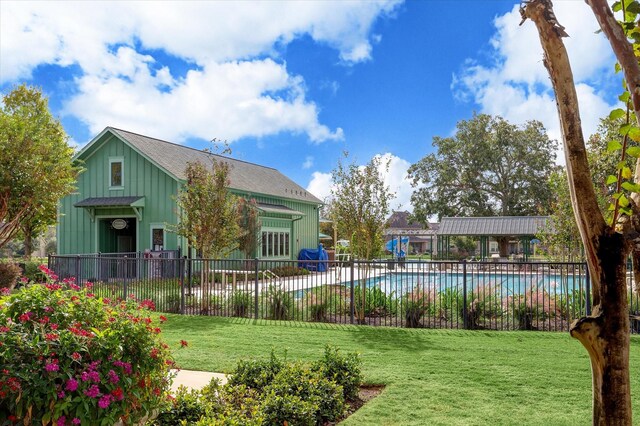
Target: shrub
{"type": "Point", "coordinates": [68, 355]}
{"type": "Point", "coordinates": [288, 409]}
{"type": "Point", "coordinates": [9, 273]}
{"type": "Point", "coordinates": [417, 303]}
{"type": "Point", "coordinates": [32, 272]}
{"type": "Point", "coordinates": [279, 303]}
{"type": "Point", "coordinates": [299, 392]}
{"type": "Point", "coordinates": [318, 307]}
{"type": "Point", "coordinates": [256, 374]}
{"type": "Point", "coordinates": [345, 370]}
{"type": "Point", "coordinates": [240, 303]}
{"type": "Point", "coordinates": [376, 301]}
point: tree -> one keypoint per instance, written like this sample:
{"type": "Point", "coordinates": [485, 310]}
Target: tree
{"type": "Point", "coordinates": [249, 224]}
{"type": "Point", "coordinates": [207, 211]}
{"type": "Point", "coordinates": [562, 236]}
{"type": "Point", "coordinates": [607, 243]}
{"type": "Point", "coordinates": [488, 168]}
{"type": "Point", "coordinates": [359, 209]}
{"type": "Point", "coordinates": [36, 167]}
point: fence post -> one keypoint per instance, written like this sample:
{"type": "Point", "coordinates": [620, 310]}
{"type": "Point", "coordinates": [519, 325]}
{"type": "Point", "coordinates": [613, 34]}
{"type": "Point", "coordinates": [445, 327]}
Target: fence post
{"type": "Point", "coordinates": [255, 301]}
{"type": "Point", "coordinates": [77, 270]}
{"type": "Point", "coordinates": [181, 269]}
{"type": "Point", "coordinates": [351, 292]}
{"type": "Point", "coordinates": [465, 314]}
{"type": "Point", "coordinates": [124, 277]}
{"type": "Point", "coordinates": [588, 289]}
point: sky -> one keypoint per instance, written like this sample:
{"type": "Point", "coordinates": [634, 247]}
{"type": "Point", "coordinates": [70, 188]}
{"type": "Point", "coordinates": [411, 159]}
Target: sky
{"type": "Point", "coordinates": [294, 85]}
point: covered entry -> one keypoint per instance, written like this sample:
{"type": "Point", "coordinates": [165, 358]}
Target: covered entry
{"type": "Point", "coordinates": [117, 222]}
{"type": "Point", "coordinates": [117, 235]}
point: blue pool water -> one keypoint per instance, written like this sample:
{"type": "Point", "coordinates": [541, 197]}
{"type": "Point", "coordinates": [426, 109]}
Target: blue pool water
{"type": "Point", "coordinates": [401, 282]}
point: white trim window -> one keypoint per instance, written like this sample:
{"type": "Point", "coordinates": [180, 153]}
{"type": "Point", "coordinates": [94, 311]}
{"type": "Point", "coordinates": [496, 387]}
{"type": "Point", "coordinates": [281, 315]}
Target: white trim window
{"type": "Point", "coordinates": [116, 173]}
{"type": "Point", "coordinates": [276, 244]}
{"type": "Point", "coordinates": [158, 237]}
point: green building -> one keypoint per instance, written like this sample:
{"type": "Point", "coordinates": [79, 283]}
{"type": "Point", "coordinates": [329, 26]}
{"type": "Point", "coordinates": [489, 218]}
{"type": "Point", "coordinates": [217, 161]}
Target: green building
{"type": "Point", "coordinates": [126, 199]}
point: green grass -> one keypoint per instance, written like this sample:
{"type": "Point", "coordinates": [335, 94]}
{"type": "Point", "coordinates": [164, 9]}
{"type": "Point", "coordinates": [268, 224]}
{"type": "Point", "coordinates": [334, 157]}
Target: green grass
{"type": "Point", "coordinates": [432, 377]}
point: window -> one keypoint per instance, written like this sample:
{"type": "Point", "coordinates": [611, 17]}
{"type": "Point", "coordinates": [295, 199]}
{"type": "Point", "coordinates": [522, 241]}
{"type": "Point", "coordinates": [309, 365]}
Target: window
{"type": "Point", "coordinates": [116, 173]}
{"type": "Point", "coordinates": [157, 239]}
{"type": "Point", "coordinates": [275, 244]}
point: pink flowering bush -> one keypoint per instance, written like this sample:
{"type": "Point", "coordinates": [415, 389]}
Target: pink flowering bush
{"type": "Point", "coordinates": [68, 357]}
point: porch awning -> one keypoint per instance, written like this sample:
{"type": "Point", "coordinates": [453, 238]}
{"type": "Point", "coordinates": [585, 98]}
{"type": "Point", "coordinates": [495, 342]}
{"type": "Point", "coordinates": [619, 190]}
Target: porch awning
{"type": "Point", "coordinates": [278, 209]}
{"type": "Point", "coordinates": [91, 204]}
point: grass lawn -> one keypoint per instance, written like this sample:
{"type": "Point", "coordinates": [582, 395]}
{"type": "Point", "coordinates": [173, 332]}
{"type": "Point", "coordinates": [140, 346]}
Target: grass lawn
{"type": "Point", "coordinates": [432, 377]}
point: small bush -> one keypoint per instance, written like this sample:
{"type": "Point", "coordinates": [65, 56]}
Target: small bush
{"type": "Point", "coordinates": [32, 271]}
{"type": "Point", "coordinates": [288, 409]}
{"type": "Point", "coordinates": [256, 374]}
{"type": "Point", "coordinates": [298, 381]}
{"type": "Point", "coordinates": [345, 370]}
{"type": "Point", "coordinates": [279, 303]}
{"type": "Point", "coordinates": [9, 273]}
{"type": "Point", "coordinates": [318, 307]}
{"type": "Point", "coordinates": [240, 303]}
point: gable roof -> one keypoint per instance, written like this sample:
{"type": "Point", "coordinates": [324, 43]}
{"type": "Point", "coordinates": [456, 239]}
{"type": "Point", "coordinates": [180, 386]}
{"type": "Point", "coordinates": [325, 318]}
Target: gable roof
{"type": "Point", "coordinates": [399, 223]}
{"type": "Point", "coordinates": [492, 226]}
{"type": "Point", "coordinates": [243, 176]}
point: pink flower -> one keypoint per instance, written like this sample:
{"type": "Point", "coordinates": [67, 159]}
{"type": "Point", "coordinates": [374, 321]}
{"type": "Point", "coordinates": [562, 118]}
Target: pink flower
{"type": "Point", "coordinates": [93, 391]}
{"type": "Point", "coordinates": [105, 401]}
{"type": "Point", "coordinates": [184, 343]}
{"type": "Point", "coordinates": [72, 385]}
{"type": "Point", "coordinates": [76, 356]}
{"type": "Point", "coordinates": [61, 421]}
{"type": "Point", "coordinates": [76, 421]}
{"type": "Point", "coordinates": [5, 291]}
{"type": "Point", "coordinates": [113, 377]}
{"type": "Point", "coordinates": [61, 394]}
{"type": "Point", "coordinates": [52, 365]}
{"type": "Point", "coordinates": [163, 318]}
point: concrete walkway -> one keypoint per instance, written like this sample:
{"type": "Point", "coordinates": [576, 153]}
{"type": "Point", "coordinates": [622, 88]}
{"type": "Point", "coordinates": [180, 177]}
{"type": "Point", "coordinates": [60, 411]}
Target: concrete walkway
{"type": "Point", "coordinates": [195, 379]}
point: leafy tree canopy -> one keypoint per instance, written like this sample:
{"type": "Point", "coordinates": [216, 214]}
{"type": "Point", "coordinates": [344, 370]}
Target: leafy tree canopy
{"type": "Point", "coordinates": [360, 206]}
{"type": "Point", "coordinates": [488, 168]}
{"type": "Point", "coordinates": [207, 211]}
{"type": "Point", "coordinates": [36, 167]}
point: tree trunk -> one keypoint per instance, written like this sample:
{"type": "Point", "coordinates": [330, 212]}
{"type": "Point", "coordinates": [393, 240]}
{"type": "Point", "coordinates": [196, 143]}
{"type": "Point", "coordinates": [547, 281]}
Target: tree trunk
{"type": "Point", "coordinates": [605, 333]}
{"type": "Point", "coordinates": [28, 244]}
{"type": "Point", "coordinates": [503, 246]}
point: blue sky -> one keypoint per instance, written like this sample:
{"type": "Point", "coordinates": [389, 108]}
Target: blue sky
{"type": "Point", "coordinates": [292, 85]}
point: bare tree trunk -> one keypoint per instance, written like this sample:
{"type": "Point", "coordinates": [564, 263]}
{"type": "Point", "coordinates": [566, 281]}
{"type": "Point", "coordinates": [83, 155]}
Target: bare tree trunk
{"type": "Point", "coordinates": [503, 246]}
{"type": "Point", "coordinates": [605, 334]}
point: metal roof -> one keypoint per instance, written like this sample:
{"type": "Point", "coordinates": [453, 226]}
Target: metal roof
{"type": "Point", "coordinates": [492, 226]}
{"type": "Point", "coordinates": [243, 176]}
{"type": "Point", "coordinates": [110, 202]}
{"type": "Point", "coordinates": [279, 209]}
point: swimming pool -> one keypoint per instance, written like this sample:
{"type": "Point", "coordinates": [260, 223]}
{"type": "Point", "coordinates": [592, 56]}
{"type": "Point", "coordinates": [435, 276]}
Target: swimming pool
{"type": "Point", "coordinates": [403, 282]}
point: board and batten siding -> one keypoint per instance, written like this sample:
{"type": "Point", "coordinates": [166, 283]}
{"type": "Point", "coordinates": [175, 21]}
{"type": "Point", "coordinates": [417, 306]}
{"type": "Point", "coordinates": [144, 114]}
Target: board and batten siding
{"type": "Point", "coordinates": [140, 178]}
{"type": "Point", "coordinates": [303, 231]}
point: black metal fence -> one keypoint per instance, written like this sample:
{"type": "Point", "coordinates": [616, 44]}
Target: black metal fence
{"type": "Point", "coordinates": [443, 294]}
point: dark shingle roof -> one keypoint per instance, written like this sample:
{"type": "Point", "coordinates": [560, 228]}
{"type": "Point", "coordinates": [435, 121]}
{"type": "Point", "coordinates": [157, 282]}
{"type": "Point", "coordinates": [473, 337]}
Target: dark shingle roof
{"type": "Point", "coordinates": [492, 226]}
{"type": "Point", "coordinates": [107, 201]}
{"type": "Point", "coordinates": [243, 176]}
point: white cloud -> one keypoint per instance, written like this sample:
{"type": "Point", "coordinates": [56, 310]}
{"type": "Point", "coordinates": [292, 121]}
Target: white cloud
{"type": "Point", "coordinates": [320, 185]}
{"type": "Point", "coordinates": [231, 90]}
{"type": "Point", "coordinates": [516, 84]}
{"type": "Point", "coordinates": [395, 178]}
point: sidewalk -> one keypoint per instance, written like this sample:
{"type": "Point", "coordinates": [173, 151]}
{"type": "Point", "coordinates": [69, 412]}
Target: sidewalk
{"type": "Point", "coordinates": [195, 379]}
